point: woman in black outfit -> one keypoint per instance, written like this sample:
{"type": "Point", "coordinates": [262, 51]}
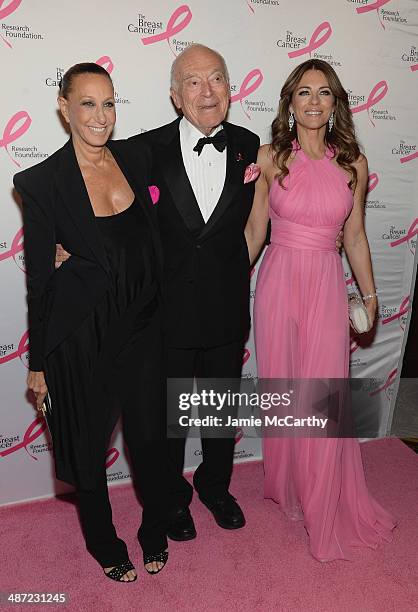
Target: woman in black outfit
{"type": "Point", "coordinates": [94, 323]}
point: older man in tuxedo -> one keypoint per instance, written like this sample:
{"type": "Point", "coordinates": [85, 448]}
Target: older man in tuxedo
{"type": "Point", "coordinates": [199, 161]}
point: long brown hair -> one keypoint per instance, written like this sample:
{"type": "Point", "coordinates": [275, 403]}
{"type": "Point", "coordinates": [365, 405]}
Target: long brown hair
{"type": "Point", "coordinates": [342, 138]}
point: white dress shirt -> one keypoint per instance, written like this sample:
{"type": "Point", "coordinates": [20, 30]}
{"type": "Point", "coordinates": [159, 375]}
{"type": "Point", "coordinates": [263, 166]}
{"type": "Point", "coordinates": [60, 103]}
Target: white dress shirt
{"type": "Point", "coordinates": [206, 172]}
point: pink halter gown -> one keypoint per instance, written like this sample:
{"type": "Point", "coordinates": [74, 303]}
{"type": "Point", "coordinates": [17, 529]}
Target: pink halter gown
{"type": "Point", "coordinates": [302, 331]}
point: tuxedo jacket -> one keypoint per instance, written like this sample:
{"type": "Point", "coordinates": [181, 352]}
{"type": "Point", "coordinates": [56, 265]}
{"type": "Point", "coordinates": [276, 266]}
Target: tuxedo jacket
{"type": "Point", "coordinates": [206, 265]}
{"type": "Point", "coordinates": [57, 209]}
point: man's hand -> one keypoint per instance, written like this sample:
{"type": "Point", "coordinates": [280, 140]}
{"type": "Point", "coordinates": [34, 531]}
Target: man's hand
{"type": "Point", "coordinates": [61, 255]}
{"type": "Point", "coordinates": [36, 383]}
{"type": "Point", "coordinates": [338, 241]}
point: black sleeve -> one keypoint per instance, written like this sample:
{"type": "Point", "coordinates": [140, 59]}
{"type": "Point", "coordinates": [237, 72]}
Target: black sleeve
{"type": "Point", "coordinates": [39, 242]}
{"type": "Point", "coordinates": [257, 141]}
{"type": "Point", "coordinates": [139, 154]}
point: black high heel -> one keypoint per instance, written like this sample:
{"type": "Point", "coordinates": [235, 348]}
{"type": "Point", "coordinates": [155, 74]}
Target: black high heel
{"type": "Point", "coordinates": [160, 557]}
{"type": "Point", "coordinates": [117, 572]}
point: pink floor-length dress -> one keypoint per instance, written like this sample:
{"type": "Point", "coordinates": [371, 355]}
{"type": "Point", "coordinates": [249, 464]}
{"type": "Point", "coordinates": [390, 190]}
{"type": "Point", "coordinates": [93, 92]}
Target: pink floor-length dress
{"type": "Point", "coordinates": [302, 331]}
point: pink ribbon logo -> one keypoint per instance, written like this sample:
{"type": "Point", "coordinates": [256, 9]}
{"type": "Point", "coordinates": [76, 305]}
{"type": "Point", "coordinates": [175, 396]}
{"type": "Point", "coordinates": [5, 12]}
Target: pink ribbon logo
{"type": "Point", "coordinates": [6, 11]}
{"type": "Point", "coordinates": [353, 347]}
{"type": "Point", "coordinates": [389, 381]}
{"type": "Point", "coordinates": [377, 93]}
{"type": "Point", "coordinates": [15, 248]}
{"type": "Point", "coordinates": [112, 455]}
{"type": "Point", "coordinates": [22, 349]}
{"type": "Point", "coordinates": [408, 158]}
{"type": "Point", "coordinates": [320, 36]}
{"type": "Point", "coordinates": [106, 63]}
{"type": "Point", "coordinates": [250, 7]}
{"type": "Point", "coordinates": [239, 435]}
{"type": "Point", "coordinates": [375, 6]}
{"type": "Point", "coordinates": [251, 82]}
{"type": "Point", "coordinates": [246, 356]}
{"type": "Point", "coordinates": [349, 281]}
{"type": "Point", "coordinates": [414, 68]}
{"type": "Point", "coordinates": [403, 309]}
{"type": "Point", "coordinates": [12, 133]}
{"type": "Point", "coordinates": [179, 20]}
{"type": "Point", "coordinates": [33, 432]}
{"type": "Point", "coordinates": [411, 233]}
{"type": "Point", "coordinates": [373, 182]}
{"type": "Point", "coordinates": [154, 193]}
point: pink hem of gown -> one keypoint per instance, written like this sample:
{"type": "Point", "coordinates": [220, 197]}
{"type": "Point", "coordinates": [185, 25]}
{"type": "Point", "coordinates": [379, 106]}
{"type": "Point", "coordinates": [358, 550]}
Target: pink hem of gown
{"type": "Point", "coordinates": [353, 517]}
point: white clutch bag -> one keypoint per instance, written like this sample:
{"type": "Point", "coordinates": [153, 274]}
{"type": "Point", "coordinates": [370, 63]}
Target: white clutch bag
{"type": "Point", "coordinates": [358, 314]}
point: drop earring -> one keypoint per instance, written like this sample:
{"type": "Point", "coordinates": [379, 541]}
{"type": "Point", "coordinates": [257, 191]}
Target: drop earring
{"type": "Point", "coordinates": [331, 121]}
{"type": "Point", "coordinates": [291, 121]}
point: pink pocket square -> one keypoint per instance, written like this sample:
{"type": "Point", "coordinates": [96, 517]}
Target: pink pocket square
{"type": "Point", "coordinates": [251, 173]}
{"type": "Point", "coordinates": [154, 193]}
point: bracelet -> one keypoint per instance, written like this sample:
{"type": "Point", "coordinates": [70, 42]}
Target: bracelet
{"type": "Point", "coordinates": [369, 297]}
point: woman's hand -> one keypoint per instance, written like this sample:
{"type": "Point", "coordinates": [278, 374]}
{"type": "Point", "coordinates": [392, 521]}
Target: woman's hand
{"type": "Point", "coordinates": [36, 383]}
{"type": "Point", "coordinates": [371, 307]}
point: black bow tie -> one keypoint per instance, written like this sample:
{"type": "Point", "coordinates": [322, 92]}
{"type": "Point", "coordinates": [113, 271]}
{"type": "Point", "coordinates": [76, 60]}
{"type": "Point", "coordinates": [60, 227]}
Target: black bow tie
{"type": "Point", "coordinates": [218, 141]}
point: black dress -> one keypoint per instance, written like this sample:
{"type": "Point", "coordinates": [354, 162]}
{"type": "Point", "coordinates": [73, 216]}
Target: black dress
{"type": "Point", "coordinates": [95, 331]}
{"type": "Point", "coordinates": [112, 359]}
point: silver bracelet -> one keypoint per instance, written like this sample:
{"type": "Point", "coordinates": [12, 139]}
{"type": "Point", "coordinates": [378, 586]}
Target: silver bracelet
{"type": "Point", "coordinates": [369, 297]}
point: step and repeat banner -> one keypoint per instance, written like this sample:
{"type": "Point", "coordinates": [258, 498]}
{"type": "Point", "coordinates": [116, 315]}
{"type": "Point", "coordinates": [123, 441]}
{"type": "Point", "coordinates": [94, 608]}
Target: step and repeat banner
{"type": "Point", "coordinates": [371, 44]}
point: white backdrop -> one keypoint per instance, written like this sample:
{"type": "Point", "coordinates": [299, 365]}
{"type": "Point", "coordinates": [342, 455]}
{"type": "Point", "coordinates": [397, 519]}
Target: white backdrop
{"type": "Point", "coordinates": [371, 44]}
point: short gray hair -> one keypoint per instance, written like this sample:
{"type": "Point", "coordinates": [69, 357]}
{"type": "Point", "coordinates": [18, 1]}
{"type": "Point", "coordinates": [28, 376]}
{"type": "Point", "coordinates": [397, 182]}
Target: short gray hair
{"type": "Point", "coordinates": [173, 73]}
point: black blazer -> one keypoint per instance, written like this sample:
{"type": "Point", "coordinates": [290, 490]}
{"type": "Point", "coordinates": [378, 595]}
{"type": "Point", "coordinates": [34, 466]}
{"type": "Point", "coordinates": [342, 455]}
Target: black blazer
{"type": "Point", "coordinates": [206, 266]}
{"type": "Point", "coordinates": [57, 209]}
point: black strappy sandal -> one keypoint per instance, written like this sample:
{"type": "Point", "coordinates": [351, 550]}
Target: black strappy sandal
{"type": "Point", "coordinates": [119, 571]}
{"type": "Point", "coordinates": [160, 557]}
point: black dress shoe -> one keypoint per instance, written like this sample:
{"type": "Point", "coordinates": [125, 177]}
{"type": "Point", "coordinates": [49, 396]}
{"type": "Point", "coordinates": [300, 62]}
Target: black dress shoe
{"type": "Point", "coordinates": [181, 527]}
{"type": "Point", "coordinates": [226, 512]}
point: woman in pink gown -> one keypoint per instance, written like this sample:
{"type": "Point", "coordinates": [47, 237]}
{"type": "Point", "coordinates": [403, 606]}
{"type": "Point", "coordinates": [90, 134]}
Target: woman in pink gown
{"type": "Point", "coordinates": [312, 184]}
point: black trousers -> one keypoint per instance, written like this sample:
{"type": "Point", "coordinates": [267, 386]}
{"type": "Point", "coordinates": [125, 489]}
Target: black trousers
{"type": "Point", "coordinates": [213, 475]}
{"type": "Point", "coordinates": [142, 404]}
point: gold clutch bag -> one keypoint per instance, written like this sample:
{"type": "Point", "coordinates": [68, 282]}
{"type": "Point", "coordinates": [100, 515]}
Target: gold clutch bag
{"type": "Point", "coordinates": [359, 317]}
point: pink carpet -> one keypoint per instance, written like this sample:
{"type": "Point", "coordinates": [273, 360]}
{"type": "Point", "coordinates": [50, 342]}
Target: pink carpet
{"type": "Point", "coordinates": [265, 566]}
